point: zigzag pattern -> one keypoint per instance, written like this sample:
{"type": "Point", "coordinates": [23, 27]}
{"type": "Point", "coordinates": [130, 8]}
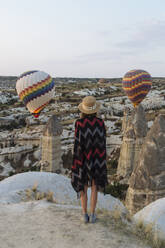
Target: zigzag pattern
{"type": "Point", "coordinates": [96, 131]}
{"type": "Point", "coordinates": [90, 121]}
{"type": "Point", "coordinates": [89, 153]}
{"type": "Point", "coordinates": [96, 141]}
{"type": "Point", "coordinates": [97, 163]}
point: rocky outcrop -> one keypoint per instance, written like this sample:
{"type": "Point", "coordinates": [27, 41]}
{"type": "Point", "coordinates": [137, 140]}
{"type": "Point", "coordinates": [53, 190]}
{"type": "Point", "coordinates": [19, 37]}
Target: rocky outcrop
{"type": "Point", "coordinates": [67, 158]}
{"type": "Point", "coordinates": [11, 122]}
{"type": "Point", "coordinates": [134, 129]}
{"type": "Point", "coordinates": [51, 146]}
{"type": "Point", "coordinates": [126, 118]}
{"type": "Point", "coordinates": [147, 182]}
{"type": "Point", "coordinates": [17, 159]}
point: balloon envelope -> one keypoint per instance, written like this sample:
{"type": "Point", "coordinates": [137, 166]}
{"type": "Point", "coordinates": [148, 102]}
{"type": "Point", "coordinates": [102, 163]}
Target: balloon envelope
{"type": "Point", "coordinates": [136, 84]}
{"type": "Point", "coordinates": [35, 89]}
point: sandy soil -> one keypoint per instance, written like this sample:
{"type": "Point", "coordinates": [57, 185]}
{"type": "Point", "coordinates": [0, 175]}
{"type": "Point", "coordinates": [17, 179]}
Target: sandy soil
{"type": "Point", "coordinates": [47, 226]}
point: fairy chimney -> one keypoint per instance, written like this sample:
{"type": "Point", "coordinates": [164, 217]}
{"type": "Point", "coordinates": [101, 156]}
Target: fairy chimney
{"type": "Point", "coordinates": [125, 119]}
{"type": "Point", "coordinates": [51, 146]}
{"type": "Point", "coordinates": [134, 129]}
{"type": "Point", "coordinates": [147, 182]}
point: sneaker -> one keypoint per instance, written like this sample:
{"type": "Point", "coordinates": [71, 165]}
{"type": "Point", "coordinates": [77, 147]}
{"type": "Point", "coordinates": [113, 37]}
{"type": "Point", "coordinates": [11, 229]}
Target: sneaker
{"type": "Point", "coordinates": [86, 218]}
{"type": "Point", "coordinates": [93, 218]}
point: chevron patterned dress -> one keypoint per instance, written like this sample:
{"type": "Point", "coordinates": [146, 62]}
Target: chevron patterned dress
{"type": "Point", "coordinates": [89, 157]}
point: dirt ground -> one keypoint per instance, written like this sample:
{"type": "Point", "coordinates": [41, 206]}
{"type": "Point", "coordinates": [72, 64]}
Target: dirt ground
{"type": "Point", "coordinates": [33, 226]}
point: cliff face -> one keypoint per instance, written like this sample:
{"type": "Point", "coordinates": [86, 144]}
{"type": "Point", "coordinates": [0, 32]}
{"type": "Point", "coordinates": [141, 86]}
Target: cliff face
{"type": "Point", "coordinates": [147, 182]}
{"type": "Point", "coordinates": [134, 129]}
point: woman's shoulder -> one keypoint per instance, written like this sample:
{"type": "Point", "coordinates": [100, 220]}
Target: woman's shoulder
{"type": "Point", "coordinates": [78, 121]}
{"type": "Point", "coordinates": [100, 119]}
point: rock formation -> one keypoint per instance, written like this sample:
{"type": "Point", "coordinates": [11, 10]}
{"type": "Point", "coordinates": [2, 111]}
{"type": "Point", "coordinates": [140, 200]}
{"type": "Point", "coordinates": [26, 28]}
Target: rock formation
{"type": "Point", "coordinates": [18, 159]}
{"type": "Point", "coordinates": [147, 182]}
{"type": "Point", "coordinates": [51, 146]}
{"type": "Point", "coordinates": [67, 159]}
{"type": "Point", "coordinates": [134, 129]}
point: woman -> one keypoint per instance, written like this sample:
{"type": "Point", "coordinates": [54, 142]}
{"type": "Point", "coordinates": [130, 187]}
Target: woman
{"type": "Point", "coordinates": [89, 157]}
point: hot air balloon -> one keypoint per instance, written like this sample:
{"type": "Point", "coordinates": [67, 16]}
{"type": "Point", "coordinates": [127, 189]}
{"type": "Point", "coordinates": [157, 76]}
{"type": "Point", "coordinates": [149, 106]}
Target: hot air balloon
{"type": "Point", "coordinates": [136, 84]}
{"type": "Point", "coordinates": [35, 89]}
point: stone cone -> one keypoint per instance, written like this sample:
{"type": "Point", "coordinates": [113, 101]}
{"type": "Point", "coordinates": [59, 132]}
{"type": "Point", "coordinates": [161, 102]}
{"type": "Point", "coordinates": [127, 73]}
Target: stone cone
{"type": "Point", "coordinates": [134, 129]}
{"type": "Point", "coordinates": [147, 182]}
{"type": "Point", "coordinates": [51, 146]}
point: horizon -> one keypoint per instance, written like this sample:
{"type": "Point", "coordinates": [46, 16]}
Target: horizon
{"type": "Point", "coordinates": [82, 39]}
{"type": "Point", "coordinates": [155, 77]}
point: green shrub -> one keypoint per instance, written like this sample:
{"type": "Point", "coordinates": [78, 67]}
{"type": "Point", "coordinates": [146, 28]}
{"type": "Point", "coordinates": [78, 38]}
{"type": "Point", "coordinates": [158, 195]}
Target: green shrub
{"type": "Point", "coordinates": [117, 190]}
{"type": "Point", "coordinates": [11, 173]}
{"type": "Point", "coordinates": [113, 163]}
{"type": "Point", "coordinates": [112, 166]}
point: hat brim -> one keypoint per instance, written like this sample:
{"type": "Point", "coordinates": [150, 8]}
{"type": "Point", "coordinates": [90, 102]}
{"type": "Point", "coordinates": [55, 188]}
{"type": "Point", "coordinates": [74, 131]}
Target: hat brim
{"type": "Point", "coordinates": [80, 107]}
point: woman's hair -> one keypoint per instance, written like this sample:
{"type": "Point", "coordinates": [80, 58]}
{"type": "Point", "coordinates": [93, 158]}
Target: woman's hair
{"type": "Point", "coordinates": [83, 115]}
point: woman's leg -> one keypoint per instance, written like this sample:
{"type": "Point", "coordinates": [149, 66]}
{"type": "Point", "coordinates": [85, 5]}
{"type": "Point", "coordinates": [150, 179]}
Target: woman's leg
{"type": "Point", "coordinates": [93, 197]}
{"type": "Point", "coordinates": [84, 199]}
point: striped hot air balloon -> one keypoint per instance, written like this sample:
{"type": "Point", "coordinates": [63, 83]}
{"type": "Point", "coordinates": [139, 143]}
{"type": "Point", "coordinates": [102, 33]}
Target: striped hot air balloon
{"type": "Point", "coordinates": [136, 84]}
{"type": "Point", "coordinates": [35, 89]}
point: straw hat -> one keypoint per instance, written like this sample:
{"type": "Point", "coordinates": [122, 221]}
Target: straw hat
{"type": "Point", "coordinates": [89, 105]}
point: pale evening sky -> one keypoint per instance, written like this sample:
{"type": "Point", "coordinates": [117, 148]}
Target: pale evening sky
{"type": "Point", "coordinates": [82, 38]}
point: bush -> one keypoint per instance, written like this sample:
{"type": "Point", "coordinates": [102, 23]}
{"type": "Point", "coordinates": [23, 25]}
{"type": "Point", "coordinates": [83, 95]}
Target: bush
{"type": "Point", "coordinates": [112, 166]}
{"type": "Point", "coordinates": [11, 173]}
{"type": "Point", "coordinates": [113, 163]}
{"type": "Point", "coordinates": [117, 190]}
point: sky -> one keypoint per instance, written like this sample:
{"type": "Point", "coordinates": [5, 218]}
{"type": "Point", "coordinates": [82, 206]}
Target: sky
{"type": "Point", "coordinates": [82, 38]}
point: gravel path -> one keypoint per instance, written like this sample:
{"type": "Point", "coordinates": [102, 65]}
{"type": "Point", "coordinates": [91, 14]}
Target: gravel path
{"type": "Point", "coordinates": [33, 225]}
